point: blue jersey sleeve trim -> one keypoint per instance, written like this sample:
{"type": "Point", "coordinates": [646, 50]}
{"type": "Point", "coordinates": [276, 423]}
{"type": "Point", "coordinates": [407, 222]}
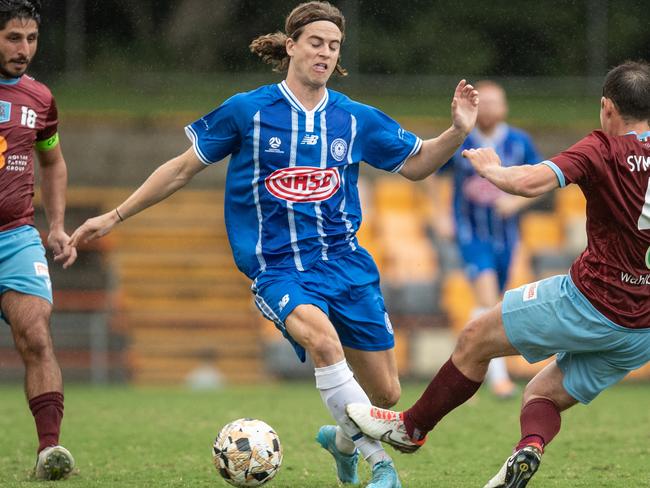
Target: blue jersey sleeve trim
{"type": "Point", "coordinates": [557, 171]}
{"type": "Point", "coordinates": [191, 135]}
{"type": "Point", "coordinates": [416, 149]}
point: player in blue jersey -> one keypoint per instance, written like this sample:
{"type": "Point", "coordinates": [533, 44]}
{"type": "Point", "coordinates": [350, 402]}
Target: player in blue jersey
{"type": "Point", "coordinates": [486, 219]}
{"type": "Point", "coordinates": [292, 211]}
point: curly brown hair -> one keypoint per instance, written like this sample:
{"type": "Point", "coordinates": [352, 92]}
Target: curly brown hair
{"type": "Point", "coordinates": [272, 47]}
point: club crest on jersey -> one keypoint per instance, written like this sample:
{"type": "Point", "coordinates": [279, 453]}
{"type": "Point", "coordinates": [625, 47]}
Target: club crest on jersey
{"type": "Point", "coordinates": [274, 145]}
{"type": "Point", "coordinates": [5, 111]}
{"type": "Point", "coordinates": [303, 183]}
{"type": "Point", "coordinates": [339, 148]}
{"type": "Point", "coordinates": [647, 258]}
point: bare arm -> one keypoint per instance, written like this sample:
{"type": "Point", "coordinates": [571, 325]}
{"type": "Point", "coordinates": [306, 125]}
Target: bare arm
{"type": "Point", "coordinates": [436, 152]}
{"type": "Point", "coordinates": [165, 180]}
{"type": "Point", "coordinates": [525, 180]}
{"type": "Point", "coordinates": [54, 181]}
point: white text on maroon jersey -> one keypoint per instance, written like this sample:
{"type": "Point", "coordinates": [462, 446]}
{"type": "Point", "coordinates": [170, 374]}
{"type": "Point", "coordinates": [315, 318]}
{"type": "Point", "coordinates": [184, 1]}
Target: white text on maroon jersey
{"type": "Point", "coordinates": [635, 279]}
{"type": "Point", "coordinates": [638, 163]}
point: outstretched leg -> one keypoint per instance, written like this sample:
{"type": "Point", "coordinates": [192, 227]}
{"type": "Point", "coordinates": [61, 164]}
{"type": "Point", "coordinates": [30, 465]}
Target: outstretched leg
{"type": "Point", "coordinates": [312, 329]}
{"type": "Point", "coordinates": [29, 317]}
{"type": "Point", "coordinates": [460, 377]}
{"type": "Point", "coordinates": [484, 338]}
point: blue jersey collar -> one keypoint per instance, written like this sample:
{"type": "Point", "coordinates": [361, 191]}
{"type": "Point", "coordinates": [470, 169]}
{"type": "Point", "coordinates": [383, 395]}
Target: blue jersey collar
{"type": "Point", "coordinates": [295, 103]}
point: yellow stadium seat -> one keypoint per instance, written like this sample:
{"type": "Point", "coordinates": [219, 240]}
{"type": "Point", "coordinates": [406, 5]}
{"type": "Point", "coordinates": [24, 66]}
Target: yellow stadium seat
{"type": "Point", "coordinates": [457, 299]}
{"type": "Point", "coordinates": [570, 202]}
{"type": "Point", "coordinates": [541, 231]}
{"type": "Point", "coordinates": [394, 193]}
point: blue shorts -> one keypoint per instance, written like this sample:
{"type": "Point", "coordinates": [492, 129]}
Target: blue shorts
{"type": "Point", "coordinates": [346, 289]}
{"type": "Point", "coordinates": [23, 267]}
{"type": "Point", "coordinates": [553, 316]}
{"type": "Point", "coordinates": [480, 256]}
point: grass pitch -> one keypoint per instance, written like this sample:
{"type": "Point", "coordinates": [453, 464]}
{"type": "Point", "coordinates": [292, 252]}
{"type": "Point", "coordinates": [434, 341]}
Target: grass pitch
{"type": "Point", "coordinates": [123, 436]}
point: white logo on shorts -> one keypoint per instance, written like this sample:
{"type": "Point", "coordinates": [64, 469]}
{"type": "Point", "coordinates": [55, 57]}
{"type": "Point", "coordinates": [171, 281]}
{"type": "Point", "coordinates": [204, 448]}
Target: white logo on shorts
{"type": "Point", "coordinates": [389, 326]}
{"type": "Point", "coordinates": [283, 302]}
{"type": "Point", "coordinates": [41, 269]}
{"type": "Point", "coordinates": [530, 291]}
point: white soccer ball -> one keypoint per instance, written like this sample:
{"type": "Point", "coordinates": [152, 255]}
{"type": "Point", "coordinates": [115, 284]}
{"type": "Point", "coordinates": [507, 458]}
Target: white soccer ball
{"type": "Point", "coordinates": [247, 452]}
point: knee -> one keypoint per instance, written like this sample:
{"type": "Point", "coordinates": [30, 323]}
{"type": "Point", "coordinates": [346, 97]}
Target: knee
{"type": "Point", "coordinates": [389, 395]}
{"type": "Point", "coordinates": [469, 342]}
{"type": "Point", "coordinates": [323, 346]}
{"type": "Point", "coordinates": [34, 343]}
{"type": "Point", "coordinates": [538, 389]}
{"type": "Point", "coordinates": [528, 394]}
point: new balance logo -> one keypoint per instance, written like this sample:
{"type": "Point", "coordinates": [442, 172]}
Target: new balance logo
{"type": "Point", "coordinates": [283, 302]}
{"type": "Point", "coordinates": [310, 139]}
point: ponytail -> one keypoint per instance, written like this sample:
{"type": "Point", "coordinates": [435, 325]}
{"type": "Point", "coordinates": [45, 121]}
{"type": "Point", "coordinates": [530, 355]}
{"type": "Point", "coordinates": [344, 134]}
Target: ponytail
{"type": "Point", "coordinates": [273, 50]}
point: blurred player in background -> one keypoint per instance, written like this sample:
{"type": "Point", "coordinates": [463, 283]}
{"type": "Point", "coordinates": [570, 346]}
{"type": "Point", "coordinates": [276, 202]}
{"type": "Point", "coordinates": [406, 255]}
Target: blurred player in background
{"type": "Point", "coordinates": [292, 212]}
{"type": "Point", "coordinates": [597, 318]}
{"type": "Point", "coordinates": [28, 121]}
{"type": "Point", "coordinates": [486, 219]}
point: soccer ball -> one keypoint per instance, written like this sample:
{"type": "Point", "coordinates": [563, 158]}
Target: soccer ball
{"type": "Point", "coordinates": [247, 452]}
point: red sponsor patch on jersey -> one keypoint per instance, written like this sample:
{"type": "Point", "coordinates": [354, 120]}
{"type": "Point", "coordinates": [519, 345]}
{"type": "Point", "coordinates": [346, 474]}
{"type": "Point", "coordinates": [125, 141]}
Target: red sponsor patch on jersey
{"type": "Point", "coordinates": [303, 183]}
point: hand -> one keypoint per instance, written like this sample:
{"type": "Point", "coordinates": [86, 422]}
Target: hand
{"type": "Point", "coordinates": [482, 159]}
{"type": "Point", "coordinates": [464, 107]}
{"type": "Point", "coordinates": [94, 228]}
{"type": "Point", "coordinates": [58, 241]}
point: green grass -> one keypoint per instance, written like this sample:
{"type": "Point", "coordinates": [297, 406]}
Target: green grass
{"type": "Point", "coordinates": [124, 436]}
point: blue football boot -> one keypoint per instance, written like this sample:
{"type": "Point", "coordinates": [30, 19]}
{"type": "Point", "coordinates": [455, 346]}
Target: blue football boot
{"type": "Point", "coordinates": [384, 475]}
{"type": "Point", "coordinates": [346, 464]}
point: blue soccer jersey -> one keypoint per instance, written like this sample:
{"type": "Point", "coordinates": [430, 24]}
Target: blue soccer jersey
{"type": "Point", "coordinates": [291, 186]}
{"type": "Point", "coordinates": [474, 197]}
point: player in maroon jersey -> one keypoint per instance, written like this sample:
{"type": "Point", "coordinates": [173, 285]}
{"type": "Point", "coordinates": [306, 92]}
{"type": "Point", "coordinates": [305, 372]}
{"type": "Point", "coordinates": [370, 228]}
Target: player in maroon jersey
{"type": "Point", "coordinates": [28, 121]}
{"type": "Point", "coordinates": [597, 317]}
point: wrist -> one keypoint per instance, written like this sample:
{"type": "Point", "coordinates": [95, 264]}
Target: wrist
{"type": "Point", "coordinates": [56, 227]}
{"type": "Point", "coordinates": [458, 132]}
{"type": "Point", "coordinates": [118, 215]}
{"type": "Point", "coordinates": [490, 173]}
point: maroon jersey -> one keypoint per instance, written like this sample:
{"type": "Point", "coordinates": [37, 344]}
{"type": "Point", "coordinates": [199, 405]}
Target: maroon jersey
{"type": "Point", "coordinates": [27, 115]}
{"type": "Point", "coordinates": [613, 173]}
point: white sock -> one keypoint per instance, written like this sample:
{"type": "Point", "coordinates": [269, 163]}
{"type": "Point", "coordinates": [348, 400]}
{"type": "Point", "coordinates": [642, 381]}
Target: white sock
{"type": "Point", "coordinates": [343, 443]}
{"type": "Point", "coordinates": [337, 388]}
